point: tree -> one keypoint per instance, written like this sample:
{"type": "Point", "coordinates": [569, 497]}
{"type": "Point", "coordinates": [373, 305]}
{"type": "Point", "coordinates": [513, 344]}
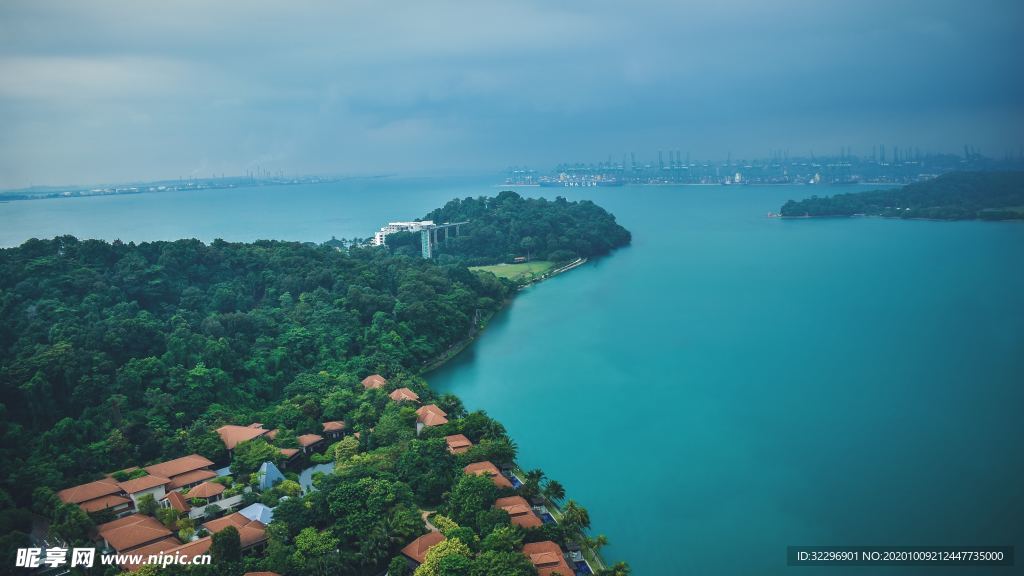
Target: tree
{"type": "Point", "coordinates": [432, 564]}
{"type": "Point", "coordinates": [503, 563]}
{"type": "Point", "coordinates": [71, 524]}
{"type": "Point", "coordinates": [428, 467]}
{"type": "Point", "coordinates": [554, 491]}
{"type": "Point", "coordinates": [250, 455]}
{"type": "Point", "coordinates": [399, 566]}
{"type": "Point", "coordinates": [471, 494]}
{"type": "Point", "coordinates": [619, 569]}
{"type": "Point", "coordinates": [503, 539]}
{"type": "Point", "coordinates": [226, 545]}
{"type": "Point", "coordinates": [575, 518]}
{"type": "Point", "coordinates": [147, 505]}
{"type": "Point", "coordinates": [345, 449]}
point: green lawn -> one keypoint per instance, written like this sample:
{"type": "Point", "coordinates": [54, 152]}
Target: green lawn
{"type": "Point", "coordinates": [518, 272]}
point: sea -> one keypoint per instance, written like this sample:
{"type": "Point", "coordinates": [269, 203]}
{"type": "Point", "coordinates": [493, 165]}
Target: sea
{"type": "Point", "coordinates": [726, 386]}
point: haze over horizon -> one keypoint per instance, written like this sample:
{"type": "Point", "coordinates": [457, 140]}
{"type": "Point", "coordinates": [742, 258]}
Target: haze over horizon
{"type": "Point", "coordinates": [118, 91]}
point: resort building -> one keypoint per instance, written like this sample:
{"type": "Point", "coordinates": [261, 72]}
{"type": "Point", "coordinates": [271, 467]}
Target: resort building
{"type": "Point", "coordinates": [251, 533]}
{"type": "Point", "coordinates": [547, 558]}
{"type": "Point", "coordinates": [392, 227]}
{"type": "Point", "coordinates": [136, 488]}
{"type": "Point", "coordinates": [232, 435]}
{"type": "Point", "coordinates": [131, 532]}
{"type": "Point", "coordinates": [160, 480]}
{"type": "Point", "coordinates": [519, 511]}
{"type": "Point", "coordinates": [95, 496]}
{"type": "Point", "coordinates": [430, 415]}
{"type": "Point", "coordinates": [334, 429]}
{"type": "Point", "coordinates": [309, 442]}
{"type": "Point", "coordinates": [457, 443]}
{"type": "Point", "coordinates": [209, 491]}
{"type": "Point", "coordinates": [374, 381]}
{"type": "Point", "coordinates": [404, 395]}
{"type": "Point", "coordinates": [490, 470]}
{"type": "Point", "coordinates": [416, 551]}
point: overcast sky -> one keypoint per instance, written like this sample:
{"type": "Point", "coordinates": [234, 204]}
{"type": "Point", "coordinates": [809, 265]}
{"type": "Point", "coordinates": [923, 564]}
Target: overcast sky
{"type": "Point", "coordinates": [112, 91]}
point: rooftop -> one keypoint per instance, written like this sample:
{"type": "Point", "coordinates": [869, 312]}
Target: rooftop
{"type": "Point", "coordinates": [431, 415]}
{"type": "Point", "coordinates": [178, 466]}
{"type": "Point", "coordinates": [142, 483]}
{"type": "Point", "coordinates": [206, 490]}
{"type": "Point", "coordinates": [132, 531]}
{"type": "Point", "coordinates": [404, 394]}
{"type": "Point", "coordinates": [334, 426]}
{"type": "Point", "coordinates": [104, 502]}
{"type": "Point", "coordinates": [89, 491]}
{"type": "Point", "coordinates": [232, 435]}
{"type": "Point", "coordinates": [190, 477]}
{"type": "Point", "coordinates": [488, 469]}
{"type": "Point", "coordinates": [547, 558]}
{"type": "Point", "coordinates": [250, 532]}
{"type": "Point", "coordinates": [374, 381]}
{"type": "Point", "coordinates": [417, 549]}
{"type": "Point", "coordinates": [178, 502]}
{"type": "Point", "coordinates": [519, 511]}
{"type": "Point", "coordinates": [457, 443]}
{"type": "Point", "coordinates": [307, 440]}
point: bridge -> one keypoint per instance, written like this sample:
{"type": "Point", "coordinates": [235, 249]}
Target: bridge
{"type": "Point", "coordinates": [429, 236]}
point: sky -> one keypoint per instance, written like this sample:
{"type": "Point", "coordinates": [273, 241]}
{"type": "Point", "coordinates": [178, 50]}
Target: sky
{"type": "Point", "coordinates": [116, 91]}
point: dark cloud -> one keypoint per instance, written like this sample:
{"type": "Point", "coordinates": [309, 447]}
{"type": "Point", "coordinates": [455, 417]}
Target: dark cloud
{"type": "Point", "coordinates": [107, 91]}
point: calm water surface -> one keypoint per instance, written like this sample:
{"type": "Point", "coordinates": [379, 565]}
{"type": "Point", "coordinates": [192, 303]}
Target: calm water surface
{"type": "Point", "coordinates": [726, 386]}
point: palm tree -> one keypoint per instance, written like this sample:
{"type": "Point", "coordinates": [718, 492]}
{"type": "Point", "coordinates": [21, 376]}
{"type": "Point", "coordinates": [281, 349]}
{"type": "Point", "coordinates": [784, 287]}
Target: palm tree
{"type": "Point", "coordinates": [575, 517]}
{"type": "Point", "coordinates": [619, 569]}
{"type": "Point", "coordinates": [554, 491]}
{"type": "Point", "coordinates": [598, 542]}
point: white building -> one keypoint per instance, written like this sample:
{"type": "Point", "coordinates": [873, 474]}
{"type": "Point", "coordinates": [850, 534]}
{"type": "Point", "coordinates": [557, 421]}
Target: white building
{"type": "Point", "coordinates": [392, 227]}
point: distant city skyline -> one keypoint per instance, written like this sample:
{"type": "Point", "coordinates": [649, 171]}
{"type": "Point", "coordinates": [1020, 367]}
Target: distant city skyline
{"type": "Point", "coordinates": [124, 91]}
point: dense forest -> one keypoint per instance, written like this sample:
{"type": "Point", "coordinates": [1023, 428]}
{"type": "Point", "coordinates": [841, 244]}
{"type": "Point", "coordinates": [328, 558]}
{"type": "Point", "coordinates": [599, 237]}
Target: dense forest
{"type": "Point", "coordinates": [120, 354]}
{"type": "Point", "coordinates": [954, 196]}
{"type": "Point", "coordinates": [508, 225]}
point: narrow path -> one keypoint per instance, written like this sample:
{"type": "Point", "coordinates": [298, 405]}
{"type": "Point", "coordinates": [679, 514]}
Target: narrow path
{"type": "Point", "coordinates": [424, 514]}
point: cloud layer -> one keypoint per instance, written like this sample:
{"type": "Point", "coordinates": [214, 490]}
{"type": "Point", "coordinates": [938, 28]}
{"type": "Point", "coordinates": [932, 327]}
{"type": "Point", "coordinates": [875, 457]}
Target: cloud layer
{"type": "Point", "coordinates": [118, 90]}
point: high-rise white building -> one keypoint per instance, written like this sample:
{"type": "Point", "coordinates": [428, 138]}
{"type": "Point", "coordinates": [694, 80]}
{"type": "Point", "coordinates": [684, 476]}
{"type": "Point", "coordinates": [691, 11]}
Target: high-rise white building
{"type": "Point", "coordinates": [392, 227]}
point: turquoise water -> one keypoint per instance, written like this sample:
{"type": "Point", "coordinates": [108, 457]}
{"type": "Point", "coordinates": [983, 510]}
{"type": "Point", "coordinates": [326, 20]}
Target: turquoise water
{"type": "Point", "coordinates": [726, 386]}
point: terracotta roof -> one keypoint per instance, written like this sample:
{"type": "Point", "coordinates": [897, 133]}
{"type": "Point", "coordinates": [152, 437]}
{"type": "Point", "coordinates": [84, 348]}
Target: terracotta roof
{"type": "Point", "coordinates": [88, 491]}
{"type": "Point", "coordinates": [334, 426]}
{"type": "Point", "coordinates": [192, 549]}
{"type": "Point", "coordinates": [250, 532]}
{"type": "Point", "coordinates": [178, 502]}
{"type": "Point", "coordinates": [547, 558]}
{"type": "Point", "coordinates": [179, 466]}
{"type": "Point", "coordinates": [519, 511]}
{"type": "Point", "coordinates": [417, 549]}
{"type": "Point", "coordinates": [374, 381]}
{"type": "Point", "coordinates": [104, 502]}
{"type": "Point", "coordinates": [169, 543]}
{"type": "Point", "coordinates": [404, 394]}
{"type": "Point", "coordinates": [457, 443]}
{"type": "Point", "coordinates": [232, 435]}
{"type": "Point", "coordinates": [137, 485]}
{"type": "Point", "coordinates": [206, 490]}
{"type": "Point", "coordinates": [431, 415]}
{"type": "Point", "coordinates": [289, 452]}
{"type": "Point", "coordinates": [132, 531]}
{"type": "Point", "coordinates": [271, 435]}
{"type": "Point", "coordinates": [190, 477]}
{"type": "Point", "coordinates": [307, 440]}
{"type": "Point", "coordinates": [488, 469]}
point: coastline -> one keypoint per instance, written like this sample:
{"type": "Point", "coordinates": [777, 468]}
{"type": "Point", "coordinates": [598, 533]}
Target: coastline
{"type": "Point", "coordinates": [461, 345]}
{"type": "Point", "coordinates": [590, 554]}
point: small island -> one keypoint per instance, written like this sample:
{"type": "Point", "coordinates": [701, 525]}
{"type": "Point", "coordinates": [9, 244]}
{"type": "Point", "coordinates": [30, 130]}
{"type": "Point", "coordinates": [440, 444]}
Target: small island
{"type": "Point", "coordinates": [954, 196]}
